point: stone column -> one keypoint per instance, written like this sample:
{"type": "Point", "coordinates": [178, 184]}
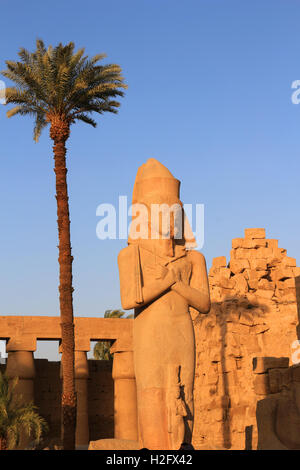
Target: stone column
{"type": "Point", "coordinates": [125, 401]}
{"type": "Point", "coordinates": [81, 387]}
{"type": "Point", "coordinates": [20, 363]}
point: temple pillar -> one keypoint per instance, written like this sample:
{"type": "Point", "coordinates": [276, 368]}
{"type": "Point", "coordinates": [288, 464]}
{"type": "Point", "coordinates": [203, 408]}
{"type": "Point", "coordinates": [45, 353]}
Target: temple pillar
{"type": "Point", "coordinates": [81, 388]}
{"type": "Point", "coordinates": [20, 363]}
{"type": "Point", "coordinates": [125, 400]}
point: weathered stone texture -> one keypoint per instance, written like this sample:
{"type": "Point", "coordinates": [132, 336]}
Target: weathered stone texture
{"type": "Point", "coordinates": [47, 396]}
{"type": "Point", "coordinates": [254, 315]}
{"type": "Point", "coordinates": [100, 400]}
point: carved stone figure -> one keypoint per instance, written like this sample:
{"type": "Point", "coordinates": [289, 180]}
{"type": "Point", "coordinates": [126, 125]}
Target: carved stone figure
{"type": "Point", "coordinates": [164, 281]}
{"type": "Point", "coordinates": [278, 415]}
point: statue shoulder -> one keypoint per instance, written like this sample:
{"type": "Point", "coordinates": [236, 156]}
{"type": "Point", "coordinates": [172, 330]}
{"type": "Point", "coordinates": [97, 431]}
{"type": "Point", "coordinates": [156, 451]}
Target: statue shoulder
{"type": "Point", "coordinates": [199, 270]}
{"type": "Point", "coordinates": [196, 257]}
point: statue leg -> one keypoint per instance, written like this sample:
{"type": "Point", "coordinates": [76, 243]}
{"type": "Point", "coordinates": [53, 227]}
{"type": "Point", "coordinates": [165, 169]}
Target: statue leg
{"type": "Point", "coordinates": [187, 388]}
{"type": "Point", "coordinates": [152, 415]}
{"type": "Point", "coordinates": [189, 418]}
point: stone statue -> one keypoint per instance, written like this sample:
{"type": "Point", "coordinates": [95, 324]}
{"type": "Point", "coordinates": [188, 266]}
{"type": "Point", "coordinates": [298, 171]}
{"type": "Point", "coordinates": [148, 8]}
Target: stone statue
{"type": "Point", "coordinates": [164, 281]}
{"type": "Point", "coordinates": [278, 414]}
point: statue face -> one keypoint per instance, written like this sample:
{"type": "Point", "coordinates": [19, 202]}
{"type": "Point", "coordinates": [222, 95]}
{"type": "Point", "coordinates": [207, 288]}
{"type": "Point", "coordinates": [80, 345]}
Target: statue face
{"type": "Point", "coordinates": [157, 221]}
{"type": "Point", "coordinates": [165, 221]}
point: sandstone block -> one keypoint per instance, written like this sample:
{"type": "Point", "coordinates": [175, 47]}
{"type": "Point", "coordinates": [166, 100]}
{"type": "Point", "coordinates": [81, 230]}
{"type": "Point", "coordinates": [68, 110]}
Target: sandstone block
{"type": "Point", "coordinates": [213, 271]}
{"type": "Point", "coordinates": [238, 413]}
{"type": "Point", "coordinates": [217, 414]}
{"type": "Point", "coordinates": [265, 284]}
{"type": "Point", "coordinates": [229, 364]}
{"type": "Point", "coordinates": [255, 233]}
{"type": "Point", "coordinates": [252, 345]}
{"type": "Point", "coordinates": [296, 271]}
{"type": "Point", "coordinates": [212, 378]}
{"type": "Point", "coordinates": [264, 294]}
{"type": "Point", "coordinates": [232, 379]}
{"type": "Point", "coordinates": [257, 274]}
{"type": "Point", "coordinates": [216, 294]}
{"type": "Point", "coordinates": [277, 257]}
{"type": "Point", "coordinates": [261, 253]}
{"type": "Point", "coordinates": [272, 244]}
{"type": "Point", "coordinates": [246, 318]}
{"type": "Point", "coordinates": [241, 253]}
{"type": "Point", "coordinates": [225, 272]}
{"type": "Point", "coordinates": [262, 364]}
{"type": "Point", "coordinates": [286, 283]}
{"type": "Point", "coordinates": [237, 242]}
{"type": "Point", "coordinates": [226, 283]}
{"type": "Point", "coordinates": [246, 274]}
{"type": "Point", "coordinates": [253, 284]}
{"type": "Point", "coordinates": [289, 262]}
{"type": "Point", "coordinates": [238, 265]}
{"type": "Point", "coordinates": [258, 264]}
{"type": "Point", "coordinates": [215, 355]}
{"type": "Point", "coordinates": [239, 330]}
{"type": "Point", "coordinates": [213, 281]}
{"type": "Point", "coordinates": [240, 284]}
{"type": "Point", "coordinates": [282, 273]}
{"type": "Point", "coordinates": [287, 295]}
{"type": "Point", "coordinates": [252, 299]}
{"type": "Point", "coordinates": [261, 384]}
{"type": "Point", "coordinates": [219, 262]}
{"type": "Point", "coordinates": [259, 329]}
{"type": "Point", "coordinates": [254, 243]}
{"type": "Point", "coordinates": [279, 252]}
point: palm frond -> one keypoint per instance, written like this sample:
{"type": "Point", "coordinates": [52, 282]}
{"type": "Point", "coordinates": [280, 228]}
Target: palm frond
{"type": "Point", "coordinates": [60, 81]}
{"type": "Point", "coordinates": [83, 117]}
{"type": "Point", "coordinates": [102, 348]}
{"type": "Point", "coordinates": [17, 417]}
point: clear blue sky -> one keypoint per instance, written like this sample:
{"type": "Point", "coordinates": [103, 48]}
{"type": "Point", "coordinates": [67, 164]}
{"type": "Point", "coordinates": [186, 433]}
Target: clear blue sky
{"type": "Point", "coordinates": [209, 96]}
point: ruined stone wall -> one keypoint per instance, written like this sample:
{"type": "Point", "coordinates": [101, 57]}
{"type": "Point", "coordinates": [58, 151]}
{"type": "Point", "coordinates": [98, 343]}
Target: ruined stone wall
{"type": "Point", "coordinates": [254, 314]}
{"type": "Point", "coordinates": [100, 400]}
{"type": "Point", "coordinates": [47, 396]}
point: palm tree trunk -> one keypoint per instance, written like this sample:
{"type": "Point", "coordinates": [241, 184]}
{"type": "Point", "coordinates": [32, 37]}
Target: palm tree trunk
{"type": "Point", "coordinates": [59, 133]}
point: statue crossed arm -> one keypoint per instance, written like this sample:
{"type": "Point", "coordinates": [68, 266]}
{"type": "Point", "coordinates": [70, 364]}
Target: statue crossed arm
{"type": "Point", "coordinates": [193, 286]}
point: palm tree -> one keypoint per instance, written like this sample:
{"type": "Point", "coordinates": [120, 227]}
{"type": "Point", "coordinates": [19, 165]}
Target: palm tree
{"type": "Point", "coordinates": [16, 417]}
{"type": "Point", "coordinates": [58, 86]}
{"type": "Point", "coordinates": [102, 348]}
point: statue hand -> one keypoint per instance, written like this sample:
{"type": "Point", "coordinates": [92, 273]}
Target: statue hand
{"type": "Point", "coordinates": [157, 271]}
{"type": "Point", "coordinates": [182, 272]}
{"type": "Point", "coordinates": [185, 274]}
